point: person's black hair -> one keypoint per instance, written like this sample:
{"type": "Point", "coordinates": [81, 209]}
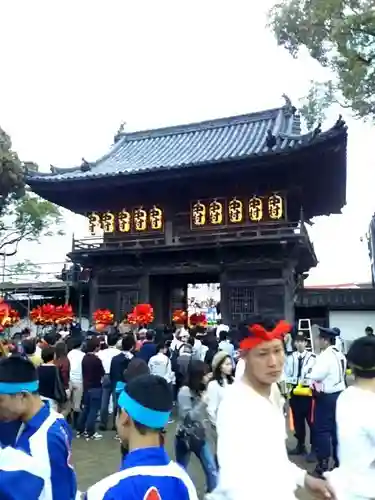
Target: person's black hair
{"type": "Point", "coordinates": [219, 376]}
{"type": "Point", "coordinates": [48, 354]}
{"type": "Point", "coordinates": [61, 350]}
{"type": "Point", "coordinates": [152, 392]}
{"type": "Point", "coordinates": [136, 367]}
{"type": "Point", "coordinates": [162, 345]}
{"type": "Point", "coordinates": [128, 342]}
{"type": "Point", "coordinates": [196, 372]}
{"type": "Point", "coordinates": [223, 335]}
{"type": "Point", "coordinates": [150, 335]}
{"type": "Point", "coordinates": [17, 369]}
{"type": "Point", "coordinates": [92, 344]}
{"type": "Point", "coordinates": [51, 338]}
{"type": "Point", "coordinates": [361, 357]}
{"type": "Point", "coordinates": [74, 342]}
{"type": "Point", "coordinates": [29, 346]}
{"type": "Point", "coordinates": [112, 339]}
{"type": "Point", "coordinates": [329, 338]}
{"type": "Point", "coordinates": [369, 330]}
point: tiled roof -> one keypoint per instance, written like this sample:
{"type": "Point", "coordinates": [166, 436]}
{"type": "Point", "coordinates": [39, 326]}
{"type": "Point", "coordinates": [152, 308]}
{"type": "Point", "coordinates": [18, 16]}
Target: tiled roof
{"type": "Point", "coordinates": [239, 137]}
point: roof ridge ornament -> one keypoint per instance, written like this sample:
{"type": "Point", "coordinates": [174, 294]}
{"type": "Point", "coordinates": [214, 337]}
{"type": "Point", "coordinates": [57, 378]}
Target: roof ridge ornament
{"type": "Point", "coordinates": [53, 169]}
{"type": "Point", "coordinates": [340, 123]}
{"type": "Point", "coordinates": [85, 166]}
{"type": "Point", "coordinates": [288, 108]}
{"type": "Point", "coordinates": [120, 132]}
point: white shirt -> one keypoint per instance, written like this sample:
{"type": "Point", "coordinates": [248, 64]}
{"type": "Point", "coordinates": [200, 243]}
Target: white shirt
{"type": "Point", "coordinates": [329, 371]}
{"type": "Point", "coordinates": [291, 367]}
{"type": "Point", "coordinates": [106, 356]}
{"type": "Point", "coordinates": [75, 357]}
{"type": "Point", "coordinates": [161, 365]}
{"type": "Point", "coordinates": [240, 369]}
{"type": "Point", "coordinates": [214, 396]}
{"type": "Point", "coordinates": [355, 478]}
{"type": "Point", "coordinates": [251, 443]}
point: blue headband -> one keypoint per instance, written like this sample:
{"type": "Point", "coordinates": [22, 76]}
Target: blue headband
{"type": "Point", "coordinates": [150, 418]}
{"type": "Point", "coordinates": [17, 387]}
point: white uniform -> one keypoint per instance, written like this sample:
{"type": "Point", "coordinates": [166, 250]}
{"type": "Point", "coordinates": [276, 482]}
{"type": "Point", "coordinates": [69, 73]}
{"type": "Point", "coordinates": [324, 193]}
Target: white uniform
{"type": "Point", "coordinates": [355, 478]}
{"type": "Point", "coordinates": [246, 456]}
{"type": "Point", "coordinates": [328, 372]}
{"type": "Point", "coordinates": [292, 364]}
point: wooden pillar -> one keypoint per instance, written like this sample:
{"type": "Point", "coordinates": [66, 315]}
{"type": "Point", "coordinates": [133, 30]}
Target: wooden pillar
{"type": "Point", "coordinates": [93, 294]}
{"type": "Point", "coordinates": [144, 288]}
{"type": "Point", "coordinates": [224, 299]}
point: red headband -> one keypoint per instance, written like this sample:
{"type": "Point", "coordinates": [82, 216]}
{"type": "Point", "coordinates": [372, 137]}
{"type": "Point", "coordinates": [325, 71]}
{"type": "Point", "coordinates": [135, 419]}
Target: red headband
{"type": "Point", "coordinates": [260, 334]}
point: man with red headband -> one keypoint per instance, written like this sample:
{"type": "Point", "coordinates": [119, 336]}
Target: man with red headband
{"type": "Point", "coordinates": [252, 451]}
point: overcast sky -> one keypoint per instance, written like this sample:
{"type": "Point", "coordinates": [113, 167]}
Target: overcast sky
{"type": "Point", "coordinates": [72, 71]}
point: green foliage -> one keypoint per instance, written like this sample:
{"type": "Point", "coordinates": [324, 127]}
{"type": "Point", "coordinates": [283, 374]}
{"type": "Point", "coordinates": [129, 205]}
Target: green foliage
{"type": "Point", "coordinates": [340, 35]}
{"type": "Point", "coordinates": [11, 172]}
{"type": "Point", "coordinates": [23, 215]}
{"type": "Point", "coordinates": [28, 219]}
{"type": "Point", "coordinates": [26, 270]}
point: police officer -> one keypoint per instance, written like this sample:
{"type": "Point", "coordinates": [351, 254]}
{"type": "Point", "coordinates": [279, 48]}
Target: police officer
{"type": "Point", "coordinates": [328, 380]}
{"type": "Point", "coordinates": [298, 366]}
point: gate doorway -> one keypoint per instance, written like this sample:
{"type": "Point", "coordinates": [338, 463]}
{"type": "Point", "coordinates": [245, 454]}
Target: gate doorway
{"type": "Point", "coordinates": [170, 292]}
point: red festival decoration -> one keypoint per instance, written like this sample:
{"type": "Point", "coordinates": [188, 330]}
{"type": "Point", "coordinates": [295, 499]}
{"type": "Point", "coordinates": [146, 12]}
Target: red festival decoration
{"type": "Point", "coordinates": [48, 314]}
{"type": "Point", "coordinates": [102, 318]}
{"type": "Point", "coordinates": [198, 319]}
{"type": "Point", "coordinates": [8, 315]}
{"type": "Point", "coordinates": [179, 316]}
{"type": "Point", "coordinates": [259, 334]}
{"type": "Point", "coordinates": [131, 319]}
{"type": "Point", "coordinates": [142, 314]}
{"type": "Point", "coordinates": [64, 314]}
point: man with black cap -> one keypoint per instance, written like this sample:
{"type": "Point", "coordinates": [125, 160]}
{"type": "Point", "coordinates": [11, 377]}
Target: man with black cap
{"type": "Point", "coordinates": [297, 367]}
{"type": "Point", "coordinates": [354, 479]}
{"type": "Point", "coordinates": [328, 381]}
{"type": "Point", "coordinates": [146, 473]}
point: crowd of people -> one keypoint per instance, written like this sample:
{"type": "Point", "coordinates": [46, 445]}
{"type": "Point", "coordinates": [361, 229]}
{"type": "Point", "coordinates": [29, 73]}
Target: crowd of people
{"type": "Point", "coordinates": [228, 391]}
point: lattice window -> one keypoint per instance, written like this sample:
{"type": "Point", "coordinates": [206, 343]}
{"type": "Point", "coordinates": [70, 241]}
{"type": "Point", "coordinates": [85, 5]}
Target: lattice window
{"type": "Point", "coordinates": [241, 303]}
{"type": "Point", "coordinates": [127, 301]}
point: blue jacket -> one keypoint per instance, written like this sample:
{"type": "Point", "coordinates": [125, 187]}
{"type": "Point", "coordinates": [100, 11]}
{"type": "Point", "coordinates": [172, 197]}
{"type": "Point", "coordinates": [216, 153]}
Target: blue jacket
{"type": "Point", "coordinates": [48, 437]}
{"type": "Point", "coordinates": [147, 350]}
{"type": "Point", "coordinates": [156, 477]}
{"type": "Point", "coordinates": [8, 433]}
{"type": "Point", "coordinates": [21, 476]}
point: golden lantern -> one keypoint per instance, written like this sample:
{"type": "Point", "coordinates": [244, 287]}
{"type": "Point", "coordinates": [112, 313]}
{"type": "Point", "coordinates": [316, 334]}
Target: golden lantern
{"type": "Point", "coordinates": [198, 214]}
{"type": "Point", "coordinates": [255, 209]}
{"type": "Point", "coordinates": [94, 222]}
{"type": "Point", "coordinates": [108, 222]}
{"type": "Point", "coordinates": [156, 218]}
{"type": "Point", "coordinates": [275, 207]}
{"type": "Point", "coordinates": [215, 212]}
{"type": "Point", "coordinates": [124, 221]}
{"type": "Point", "coordinates": [235, 211]}
{"type": "Point", "coordinates": [140, 219]}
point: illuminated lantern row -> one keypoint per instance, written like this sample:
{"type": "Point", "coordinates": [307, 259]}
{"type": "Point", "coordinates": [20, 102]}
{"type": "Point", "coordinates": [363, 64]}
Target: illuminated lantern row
{"type": "Point", "coordinates": [237, 211]}
{"type": "Point", "coordinates": [48, 314]}
{"type": "Point", "coordinates": [137, 220]}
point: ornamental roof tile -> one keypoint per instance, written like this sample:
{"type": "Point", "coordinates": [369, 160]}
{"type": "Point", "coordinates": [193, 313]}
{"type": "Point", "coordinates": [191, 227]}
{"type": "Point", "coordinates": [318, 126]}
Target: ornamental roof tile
{"type": "Point", "coordinates": [241, 137]}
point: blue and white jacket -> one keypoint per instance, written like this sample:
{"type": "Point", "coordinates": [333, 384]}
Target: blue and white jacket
{"type": "Point", "coordinates": [146, 474]}
{"type": "Point", "coordinates": [21, 476]}
{"type": "Point", "coordinates": [47, 437]}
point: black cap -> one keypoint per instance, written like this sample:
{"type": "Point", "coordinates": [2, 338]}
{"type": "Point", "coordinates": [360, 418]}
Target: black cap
{"type": "Point", "coordinates": [300, 337]}
{"type": "Point", "coordinates": [329, 332]}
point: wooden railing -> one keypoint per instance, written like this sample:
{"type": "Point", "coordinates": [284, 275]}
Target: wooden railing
{"type": "Point", "coordinates": [269, 231]}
